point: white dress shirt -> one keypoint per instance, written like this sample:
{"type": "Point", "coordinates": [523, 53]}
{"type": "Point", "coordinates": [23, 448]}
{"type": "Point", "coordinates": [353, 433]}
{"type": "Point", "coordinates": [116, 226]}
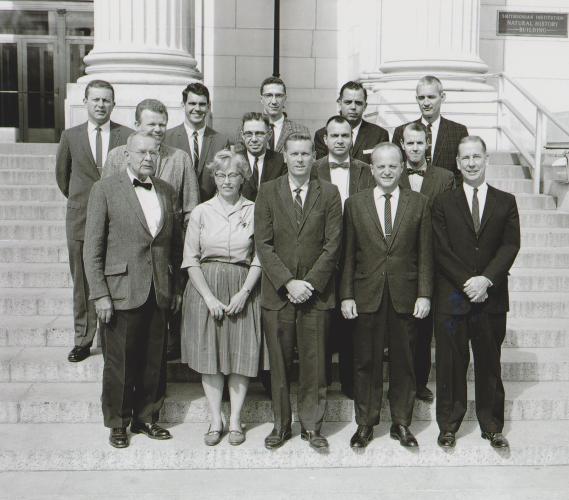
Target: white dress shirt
{"type": "Point", "coordinates": [481, 195]}
{"type": "Point", "coordinates": [303, 190]}
{"type": "Point", "coordinates": [149, 202]}
{"type": "Point", "coordinates": [260, 163]}
{"type": "Point", "coordinates": [355, 132]}
{"type": "Point", "coordinates": [434, 133]}
{"type": "Point", "coordinates": [416, 181]}
{"type": "Point", "coordinates": [190, 131]}
{"type": "Point", "coordinates": [277, 129]}
{"type": "Point", "coordinates": [380, 205]}
{"type": "Point", "coordinates": [105, 139]}
{"type": "Point", "coordinates": [340, 177]}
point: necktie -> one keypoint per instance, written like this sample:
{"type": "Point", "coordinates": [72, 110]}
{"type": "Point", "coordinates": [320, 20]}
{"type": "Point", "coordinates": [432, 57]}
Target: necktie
{"type": "Point", "coordinates": [412, 171]}
{"type": "Point", "coordinates": [196, 148]}
{"type": "Point", "coordinates": [255, 175]}
{"type": "Point", "coordinates": [429, 150]}
{"type": "Point", "coordinates": [271, 145]}
{"type": "Point", "coordinates": [145, 185]}
{"type": "Point", "coordinates": [387, 217]}
{"type": "Point", "coordinates": [298, 205]}
{"type": "Point", "coordinates": [345, 164]}
{"type": "Point", "coordinates": [99, 150]}
{"type": "Point", "coordinates": [475, 210]}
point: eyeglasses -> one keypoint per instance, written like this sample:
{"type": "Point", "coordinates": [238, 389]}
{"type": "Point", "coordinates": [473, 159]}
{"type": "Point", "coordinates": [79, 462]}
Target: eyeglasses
{"type": "Point", "coordinates": [277, 97]}
{"type": "Point", "coordinates": [232, 176]}
{"type": "Point", "coordinates": [249, 135]}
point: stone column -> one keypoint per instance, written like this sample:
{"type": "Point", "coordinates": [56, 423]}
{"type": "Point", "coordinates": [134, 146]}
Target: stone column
{"type": "Point", "coordinates": [142, 48]}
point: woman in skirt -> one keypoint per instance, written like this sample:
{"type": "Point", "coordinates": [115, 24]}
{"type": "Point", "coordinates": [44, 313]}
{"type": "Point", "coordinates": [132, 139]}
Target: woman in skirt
{"type": "Point", "coordinates": [221, 324]}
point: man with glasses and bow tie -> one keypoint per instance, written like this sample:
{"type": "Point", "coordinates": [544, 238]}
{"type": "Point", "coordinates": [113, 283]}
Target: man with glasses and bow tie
{"type": "Point", "coordinates": [350, 176]}
{"type": "Point", "coordinates": [429, 180]}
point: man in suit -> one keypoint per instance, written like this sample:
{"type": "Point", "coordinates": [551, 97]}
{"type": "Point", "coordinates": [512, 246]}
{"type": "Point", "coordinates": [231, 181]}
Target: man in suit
{"type": "Point", "coordinates": [298, 232]}
{"type": "Point", "coordinates": [265, 164]}
{"type": "Point", "coordinates": [387, 281]}
{"type": "Point", "coordinates": [132, 261]}
{"type": "Point", "coordinates": [476, 231]}
{"type": "Point", "coordinates": [196, 138]}
{"type": "Point", "coordinates": [430, 181]}
{"type": "Point", "coordinates": [80, 158]}
{"type": "Point", "coordinates": [350, 176]}
{"type": "Point", "coordinates": [443, 135]}
{"type": "Point", "coordinates": [173, 166]}
{"type": "Point", "coordinates": [352, 103]}
{"type": "Point", "coordinates": [273, 99]}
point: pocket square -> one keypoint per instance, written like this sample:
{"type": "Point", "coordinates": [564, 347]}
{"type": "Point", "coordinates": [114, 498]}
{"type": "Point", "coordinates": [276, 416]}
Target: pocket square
{"type": "Point", "coordinates": [368, 151]}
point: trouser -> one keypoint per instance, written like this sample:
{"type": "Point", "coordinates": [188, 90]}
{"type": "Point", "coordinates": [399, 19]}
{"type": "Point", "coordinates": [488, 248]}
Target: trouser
{"type": "Point", "coordinates": [134, 373]}
{"type": "Point", "coordinates": [175, 322]}
{"type": "Point", "coordinates": [486, 333]}
{"type": "Point", "coordinates": [84, 314]}
{"type": "Point", "coordinates": [371, 330]}
{"type": "Point", "coordinates": [306, 327]}
{"type": "Point", "coordinates": [341, 341]}
{"type": "Point", "coordinates": [423, 350]}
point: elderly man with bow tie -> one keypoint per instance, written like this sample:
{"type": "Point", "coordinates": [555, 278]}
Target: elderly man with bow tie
{"type": "Point", "coordinates": [350, 176]}
{"type": "Point", "coordinates": [429, 180]}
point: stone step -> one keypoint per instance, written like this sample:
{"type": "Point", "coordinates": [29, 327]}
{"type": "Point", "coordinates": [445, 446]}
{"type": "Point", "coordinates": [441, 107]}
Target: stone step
{"type": "Point", "coordinates": [27, 176]}
{"type": "Point", "coordinates": [513, 185]}
{"type": "Point", "coordinates": [27, 162]}
{"type": "Point", "coordinates": [544, 219]}
{"type": "Point", "coordinates": [28, 148]}
{"type": "Point", "coordinates": [55, 447]}
{"type": "Point", "coordinates": [41, 403]}
{"type": "Point", "coordinates": [50, 331]}
{"type": "Point", "coordinates": [539, 305]}
{"type": "Point", "coordinates": [32, 230]}
{"type": "Point", "coordinates": [532, 257]}
{"type": "Point", "coordinates": [36, 301]}
{"type": "Point", "coordinates": [21, 251]}
{"type": "Point", "coordinates": [31, 210]}
{"type": "Point", "coordinates": [535, 202]}
{"type": "Point", "coordinates": [49, 364]}
{"type": "Point", "coordinates": [537, 280]}
{"type": "Point", "coordinates": [504, 171]}
{"type": "Point", "coordinates": [528, 333]}
{"type": "Point", "coordinates": [31, 193]}
{"type": "Point", "coordinates": [543, 237]}
{"type": "Point", "coordinates": [34, 275]}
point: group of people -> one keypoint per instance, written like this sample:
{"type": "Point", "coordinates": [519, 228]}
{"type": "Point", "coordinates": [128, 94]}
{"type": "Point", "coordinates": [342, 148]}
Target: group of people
{"type": "Point", "coordinates": [239, 253]}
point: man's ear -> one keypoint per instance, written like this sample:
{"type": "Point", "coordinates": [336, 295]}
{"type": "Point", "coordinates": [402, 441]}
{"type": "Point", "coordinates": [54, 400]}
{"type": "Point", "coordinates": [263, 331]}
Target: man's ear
{"type": "Point", "coordinates": [443, 96]}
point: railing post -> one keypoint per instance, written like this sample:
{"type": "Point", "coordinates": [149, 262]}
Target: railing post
{"type": "Point", "coordinates": [500, 116]}
{"type": "Point", "coordinates": [539, 131]}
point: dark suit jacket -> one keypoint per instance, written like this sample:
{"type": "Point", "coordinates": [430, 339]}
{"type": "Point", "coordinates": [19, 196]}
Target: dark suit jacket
{"type": "Point", "coordinates": [436, 180]}
{"type": "Point", "coordinates": [446, 148]}
{"type": "Point", "coordinates": [461, 254]}
{"type": "Point", "coordinates": [76, 172]}
{"type": "Point", "coordinates": [360, 174]}
{"type": "Point", "coordinates": [273, 167]}
{"type": "Point", "coordinates": [212, 143]}
{"type": "Point", "coordinates": [406, 263]}
{"type": "Point", "coordinates": [122, 258]}
{"type": "Point", "coordinates": [369, 136]}
{"type": "Point", "coordinates": [287, 251]}
{"type": "Point", "coordinates": [289, 127]}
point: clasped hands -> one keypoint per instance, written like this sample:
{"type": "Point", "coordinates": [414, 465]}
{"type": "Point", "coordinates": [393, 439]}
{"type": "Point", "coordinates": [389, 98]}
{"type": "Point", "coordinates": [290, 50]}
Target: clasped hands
{"type": "Point", "coordinates": [420, 311]}
{"type": "Point", "coordinates": [217, 308]}
{"type": "Point", "coordinates": [477, 288]}
{"type": "Point", "coordinates": [298, 291]}
{"type": "Point", "coordinates": [104, 307]}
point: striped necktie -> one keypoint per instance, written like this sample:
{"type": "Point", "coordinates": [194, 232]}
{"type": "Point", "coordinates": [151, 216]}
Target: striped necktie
{"type": "Point", "coordinates": [298, 205]}
{"type": "Point", "coordinates": [475, 210]}
{"type": "Point", "coordinates": [429, 150]}
{"type": "Point", "coordinates": [387, 217]}
{"type": "Point", "coordinates": [196, 148]}
{"type": "Point", "coordinates": [99, 150]}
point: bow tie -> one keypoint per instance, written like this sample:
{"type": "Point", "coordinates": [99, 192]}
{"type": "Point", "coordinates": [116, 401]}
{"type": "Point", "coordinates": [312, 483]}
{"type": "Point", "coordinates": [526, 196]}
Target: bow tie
{"type": "Point", "coordinates": [411, 171]}
{"type": "Point", "coordinates": [145, 185]}
{"type": "Point", "coordinates": [345, 164]}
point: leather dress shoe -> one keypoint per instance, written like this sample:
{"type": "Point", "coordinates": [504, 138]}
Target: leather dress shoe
{"type": "Point", "coordinates": [315, 439]}
{"type": "Point", "coordinates": [362, 436]}
{"type": "Point", "coordinates": [277, 438]}
{"type": "Point", "coordinates": [118, 437]}
{"type": "Point", "coordinates": [446, 439]}
{"type": "Point", "coordinates": [497, 439]}
{"type": "Point", "coordinates": [79, 353]}
{"type": "Point", "coordinates": [173, 353]}
{"type": "Point", "coordinates": [153, 431]}
{"type": "Point", "coordinates": [425, 394]}
{"type": "Point", "coordinates": [404, 435]}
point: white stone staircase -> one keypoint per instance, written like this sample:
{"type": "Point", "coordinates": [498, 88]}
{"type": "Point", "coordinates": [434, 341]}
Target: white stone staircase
{"type": "Point", "coordinates": [50, 417]}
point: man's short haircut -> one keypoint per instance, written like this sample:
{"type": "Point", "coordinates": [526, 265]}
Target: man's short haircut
{"type": "Point", "coordinates": [352, 86]}
{"type": "Point", "coordinates": [336, 119]}
{"type": "Point", "coordinates": [136, 134]}
{"type": "Point", "coordinates": [414, 127]}
{"type": "Point", "coordinates": [251, 116]}
{"type": "Point", "coordinates": [430, 80]}
{"type": "Point", "coordinates": [470, 139]}
{"type": "Point", "coordinates": [274, 80]}
{"type": "Point", "coordinates": [151, 105]}
{"type": "Point", "coordinates": [99, 84]}
{"type": "Point", "coordinates": [388, 145]}
{"type": "Point", "coordinates": [195, 88]}
{"type": "Point", "coordinates": [298, 136]}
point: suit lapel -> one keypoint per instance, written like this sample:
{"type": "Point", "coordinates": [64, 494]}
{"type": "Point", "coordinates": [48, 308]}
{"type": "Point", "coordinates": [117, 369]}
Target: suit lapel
{"type": "Point", "coordinates": [84, 140]}
{"type": "Point", "coordinates": [162, 201]}
{"type": "Point", "coordinates": [312, 196]}
{"type": "Point", "coordinates": [206, 144]}
{"type": "Point", "coordinates": [324, 172]}
{"type": "Point", "coordinates": [428, 180]}
{"type": "Point", "coordinates": [285, 132]}
{"type": "Point", "coordinates": [462, 205]}
{"type": "Point", "coordinates": [487, 209]}
{"type": "Point", "coordinates": [404, 180]}
{"type": "Point", "coordinates": [372, 210]}
{"type": "Point", "coordinates": [400, 212]}
{"type": "Point", "coordinates": [360, 139]}
{"type": "Point", "coordinates": [283, 189]}
{"type": "Point", "coordinates": [441, 138]}
{"type": "Point", "coordinates": [354, 178]}
{"type": "Point", "coordinates": [114, 137]}
{"type": "Point", "coordinates": [132, 199]}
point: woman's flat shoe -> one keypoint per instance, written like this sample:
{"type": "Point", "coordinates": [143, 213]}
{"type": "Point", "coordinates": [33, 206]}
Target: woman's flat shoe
{"type": "Point", "coordinates": [211, 438]}
{"type": "Point", "coordinates": [236, 438]}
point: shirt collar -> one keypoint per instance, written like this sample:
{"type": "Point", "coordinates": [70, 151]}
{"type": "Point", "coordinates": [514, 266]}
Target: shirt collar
{"type": "Point", "coordinates": [215, 203]}
{"type": "Point", "coordinates": [190, 131]}
{"type": "Point", "coordinates": [378, 193]}
{"type": "Point", "coordinates": [105, 127]}
{"type": "Point", "coordinates": [332, 160]}
{"type": "Point", "coordinates": [132, 177]}
{"type": "Point", "coordinates": [293, 186]}
{"type": "Point", "coordinates": [356, 129]}
{"type": "Point", "coordinates": [421, 168]}
{"type": "Point", "coordinates": [279, 123]}
{"type": "Point", "coordinates": [261, 158]}
{"type": "Point", "coordinates": [434, 125]}
{"type": "Point", "coordinates": [469, 190]}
